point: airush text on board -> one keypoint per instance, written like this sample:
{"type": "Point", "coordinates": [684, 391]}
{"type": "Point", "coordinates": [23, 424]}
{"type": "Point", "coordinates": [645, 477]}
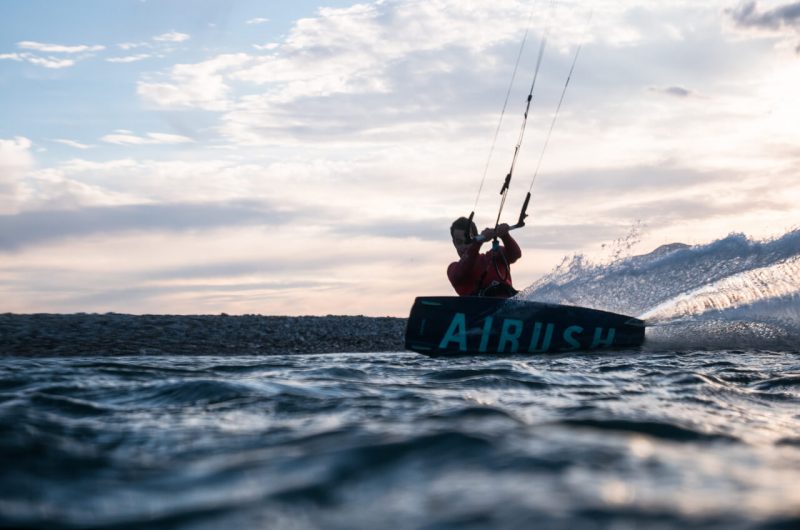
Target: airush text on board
{"type": "Point", "coordinates": [512, 331]}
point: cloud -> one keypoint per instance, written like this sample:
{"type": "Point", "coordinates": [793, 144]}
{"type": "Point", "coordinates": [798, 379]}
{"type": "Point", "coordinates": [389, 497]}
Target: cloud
{"type": "Point", "coordinates": [15, 162]}
{"type": "Point", "coordinates": [222, 267]}
{"type": "Point", "coordinates": [200, 85]}
{"type": "Point", "coordinates": [267, 47]}
{"type": "Point", "coordinates": [172, 36]}
{"type": "Point", "coordinates": [257, 21]}
{"type": "Point", "coordinates": [748, 16]}
{"type": "Point", "coordinates": [694, 209]}
{"type": "Point", "coordinates": [58, 48]}
{"type": "Point", "coordinates": [83, 51]}
{"type": "Point", "coordinates": [49, 62]}
{"type": "Point", "coordinates": [211, 295]}
{"type": "Point", "coordinates": [262, 257]}
{"type": "Point", "coordinates": [428, 229]}
{"type": "Point", "coordinates": [127, 181]}
{"type": "Point", "coordinates": [126, 138]}
{"type": "Point", "coordinates": [35, 227]}
{"type": "Point", "coordinates": [367, 50]}
{"type": "Point", "coordinates": [15, 156]}
{"type": "Point", "coordinates": [52, 189]}
{"type": "Point", "coordinates": [129, 58]}
{"type": "Point", "coordinates": [52, 62]}
{"type": "Point", "coordinates": [567, 237]}
{"type": "Point", "coordinates": [73, 143]}
{"type": "Point", "coordinates": [620, 182]}
{"type": "Point", "coordinates": [676, 91]}
{"type": "Point", "coordinates": [133, 45]}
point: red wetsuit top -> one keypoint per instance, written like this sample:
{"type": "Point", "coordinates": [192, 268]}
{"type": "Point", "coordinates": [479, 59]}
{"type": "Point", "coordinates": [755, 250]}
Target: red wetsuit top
{"type": "Point", "coordinates": [465, 274]}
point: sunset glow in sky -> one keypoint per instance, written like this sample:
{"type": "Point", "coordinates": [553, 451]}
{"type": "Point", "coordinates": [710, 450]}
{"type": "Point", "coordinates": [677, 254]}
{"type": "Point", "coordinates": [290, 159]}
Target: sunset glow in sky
{"type": "Point", "coordinates": [308, 157]}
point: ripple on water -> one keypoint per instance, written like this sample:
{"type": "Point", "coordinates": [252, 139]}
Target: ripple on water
{"type": "Point", "coordinates": [354, 441]}
{"type": "Point", "coordinates": [655, 429]}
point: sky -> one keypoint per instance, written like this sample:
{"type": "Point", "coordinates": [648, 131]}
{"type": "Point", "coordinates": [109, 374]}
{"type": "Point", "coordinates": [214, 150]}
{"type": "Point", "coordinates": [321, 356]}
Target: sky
{"type": "Point", "coordinates": [307, 157]}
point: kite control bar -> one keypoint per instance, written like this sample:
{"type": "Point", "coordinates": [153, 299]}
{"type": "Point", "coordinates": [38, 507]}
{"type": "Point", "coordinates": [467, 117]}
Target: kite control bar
{"type": "Point", "coordinates": [520, 222]}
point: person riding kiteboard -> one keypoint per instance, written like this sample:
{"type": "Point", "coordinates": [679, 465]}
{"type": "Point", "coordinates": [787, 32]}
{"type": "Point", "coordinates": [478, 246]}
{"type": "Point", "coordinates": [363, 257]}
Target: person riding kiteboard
{"type": "Point", "coordinates": [489, 274]}
{"type": "Point", "coordinates": [486, 274]}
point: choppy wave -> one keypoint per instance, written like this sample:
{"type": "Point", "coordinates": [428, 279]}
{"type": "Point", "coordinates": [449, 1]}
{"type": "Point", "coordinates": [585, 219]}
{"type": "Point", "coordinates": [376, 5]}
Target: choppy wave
{"type": "Point", "coordinates": [656, 441]}
{"type": "Point", "coordinates": [733, 292]}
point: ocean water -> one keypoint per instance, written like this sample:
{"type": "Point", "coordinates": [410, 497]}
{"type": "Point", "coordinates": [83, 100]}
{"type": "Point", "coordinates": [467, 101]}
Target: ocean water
{"type": "Point", "coordinates": [700, 428]}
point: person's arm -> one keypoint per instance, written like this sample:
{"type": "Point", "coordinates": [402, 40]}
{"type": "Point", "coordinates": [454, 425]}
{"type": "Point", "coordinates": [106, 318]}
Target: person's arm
{"type": "Point", "coordinates": [511, 248]}
{"type": "Point", "coordinates": [459, 271]}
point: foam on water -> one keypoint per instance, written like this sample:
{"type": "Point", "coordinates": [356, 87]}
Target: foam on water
{"type": "Point", "coordinates": [731, 293]}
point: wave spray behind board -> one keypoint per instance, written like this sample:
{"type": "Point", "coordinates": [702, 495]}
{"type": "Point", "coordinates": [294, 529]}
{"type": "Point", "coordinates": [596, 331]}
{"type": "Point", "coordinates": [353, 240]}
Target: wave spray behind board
{"type": "Point", "coordinates": [731, 293]}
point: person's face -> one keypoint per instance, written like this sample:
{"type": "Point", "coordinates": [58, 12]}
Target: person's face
{"type": "Point", "coordinates": [460, 241]}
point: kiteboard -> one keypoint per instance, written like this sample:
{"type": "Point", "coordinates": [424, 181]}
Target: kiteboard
{"type": "Point", "coordinates": [472, 325]}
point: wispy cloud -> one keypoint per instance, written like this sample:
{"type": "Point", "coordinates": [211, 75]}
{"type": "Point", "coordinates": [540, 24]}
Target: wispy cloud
{"type": "Point", "coordinates": [129, 58]}
{"type": "Point", "coordinates": [34, 227]}
{"type": "Point", "coordinates": [58, 48]}
{"type": "Point", "coordinates": [160, 44]}
{"type": "Point", "coordinates": [127, 138]}
{"type": "Point", "coordinates": [81, 52]}
{"type": "Point", "coordinates": [267, 47]}
{"type": "Point", "coordinates": [50, 62]}
{"type": "Point", "coordinates": [73, 143]}
{"type": "Point", "coordinates": [257, 21]}
{"type": "Point", "coordinates": [75, 53]}
{"type": "Point", "coordinates": [133, 45]}
{"type": "Point", "coordinates": [172, 36]}
{"type": "Point", "coordinates": [676, 91]}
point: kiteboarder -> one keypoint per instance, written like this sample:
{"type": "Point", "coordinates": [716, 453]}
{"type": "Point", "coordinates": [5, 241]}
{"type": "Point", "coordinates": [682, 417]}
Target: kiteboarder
{"type": "Point", "coordinates": [487, 274]}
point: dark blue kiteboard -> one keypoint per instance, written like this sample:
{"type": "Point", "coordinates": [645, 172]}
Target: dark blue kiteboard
{"type": "Point", "coordinates": [471, 325]}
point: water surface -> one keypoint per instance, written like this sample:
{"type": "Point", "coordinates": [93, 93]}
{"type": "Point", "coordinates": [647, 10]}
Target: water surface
{"type": "Point", "coordinates": [614, 440]}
